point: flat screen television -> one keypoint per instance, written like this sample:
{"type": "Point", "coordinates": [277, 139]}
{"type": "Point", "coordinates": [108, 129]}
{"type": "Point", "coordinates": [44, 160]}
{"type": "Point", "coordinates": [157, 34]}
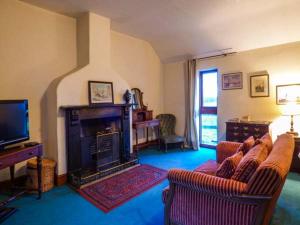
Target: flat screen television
{"type": "Point", "coordinates": [14, 122]}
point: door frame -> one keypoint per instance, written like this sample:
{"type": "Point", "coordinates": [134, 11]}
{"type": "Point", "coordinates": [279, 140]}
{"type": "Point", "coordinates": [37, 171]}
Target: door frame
{"type": "Point", "coordinates": [206, 110]}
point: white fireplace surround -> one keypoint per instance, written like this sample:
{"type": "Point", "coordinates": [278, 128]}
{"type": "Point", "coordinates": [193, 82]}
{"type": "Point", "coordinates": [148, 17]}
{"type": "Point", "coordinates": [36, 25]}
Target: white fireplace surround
{"type": "Point", "coordinates": [94, 61]}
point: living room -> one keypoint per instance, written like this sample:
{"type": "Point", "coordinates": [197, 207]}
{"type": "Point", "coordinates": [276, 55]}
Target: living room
{"type": "Point", "coordinates": [208, 65]}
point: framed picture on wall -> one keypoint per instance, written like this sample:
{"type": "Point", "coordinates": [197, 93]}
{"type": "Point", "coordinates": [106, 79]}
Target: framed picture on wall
{"type": "Point", "coordinates": [259, 86]}
{"type": "Point", "coordinates": [289, 93]}
{"type": "Point", "coordinates": [100, 92]}
{"type": "Point", "coordinates": [232, 81]}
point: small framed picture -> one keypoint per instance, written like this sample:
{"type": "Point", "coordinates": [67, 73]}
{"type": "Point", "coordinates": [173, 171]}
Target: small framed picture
{"type": "Point", "coordinates": [101, 92]}
{"type": "Point", "coordinates": [289, 93]}
{"type": "Point", "coordinates": [232, 81]}
{"type": "Point", "coordinates": [259, 86]}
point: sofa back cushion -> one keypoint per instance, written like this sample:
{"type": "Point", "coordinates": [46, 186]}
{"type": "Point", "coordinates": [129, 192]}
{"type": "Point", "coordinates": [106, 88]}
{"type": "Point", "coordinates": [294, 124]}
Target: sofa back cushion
{"type": "Point", "coordinates": [267, 140]}
{"type": "Point", "coordinates": [250, 163]}
{"type": "Point", "coordinates": [273, 171]}
{"type": "Point", "coordinates": [228, 166]}
{"type": "Point", "coordinates": [247, 145]}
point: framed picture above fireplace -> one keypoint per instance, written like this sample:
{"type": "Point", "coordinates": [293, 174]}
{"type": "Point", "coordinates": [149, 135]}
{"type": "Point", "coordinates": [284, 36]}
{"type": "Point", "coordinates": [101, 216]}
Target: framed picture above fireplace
{"type": "Point", "coordinates": [101, 92]}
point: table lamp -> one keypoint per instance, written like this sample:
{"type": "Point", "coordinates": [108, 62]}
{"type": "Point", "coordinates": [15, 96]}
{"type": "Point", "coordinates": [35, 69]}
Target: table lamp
{"type": "Point", "coordinates": [291, 109]}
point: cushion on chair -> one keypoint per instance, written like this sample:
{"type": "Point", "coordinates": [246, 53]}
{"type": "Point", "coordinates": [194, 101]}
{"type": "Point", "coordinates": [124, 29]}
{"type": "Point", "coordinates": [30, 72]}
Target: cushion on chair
{"type": "Point", "coordinates": [247, 145]}
{"type": "Point", "coordinates": [209, 167]}
{"type": "Point", "coordinates": [229, 165]}
{"type": "Point", "coordinates": [250, 163]}
{"type": "Point", "coordinates": [172, 139]}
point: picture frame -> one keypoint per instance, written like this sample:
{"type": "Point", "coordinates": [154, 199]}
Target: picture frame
{"type": "Point", "coordinates": [259, 86]}
{"type": "Point", "coordinates": [231, 81]}
{"type": "Point", "coordinates": [288, 93]}
{"type": "Point", "coordinates": [100, 92]}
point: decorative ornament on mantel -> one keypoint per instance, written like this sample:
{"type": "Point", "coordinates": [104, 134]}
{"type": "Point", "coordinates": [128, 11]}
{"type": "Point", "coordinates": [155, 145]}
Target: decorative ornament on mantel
{"type": "Point", "coordinates": [127, 96]}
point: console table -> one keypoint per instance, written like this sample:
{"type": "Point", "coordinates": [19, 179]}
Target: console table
{"type": "Point", "coordinates": [12, 156]}
{"type": "Point", "coordinates": [142, 125]}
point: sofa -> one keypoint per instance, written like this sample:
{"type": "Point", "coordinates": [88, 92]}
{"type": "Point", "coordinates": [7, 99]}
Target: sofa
{"type": "Point", "coordinates": [200, 197]}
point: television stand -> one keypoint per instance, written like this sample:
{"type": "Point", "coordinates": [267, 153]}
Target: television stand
{"type": "Point", "coordinates": [12, 156]}
{"type": "Point", "coordinates": [5, 212]}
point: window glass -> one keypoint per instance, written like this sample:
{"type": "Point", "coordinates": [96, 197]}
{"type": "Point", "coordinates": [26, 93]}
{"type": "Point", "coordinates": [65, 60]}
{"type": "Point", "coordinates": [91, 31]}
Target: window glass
{"type": "Point", "coordinates": [209, 127]}
{"type": "Point", "coordinates": [210, 89]}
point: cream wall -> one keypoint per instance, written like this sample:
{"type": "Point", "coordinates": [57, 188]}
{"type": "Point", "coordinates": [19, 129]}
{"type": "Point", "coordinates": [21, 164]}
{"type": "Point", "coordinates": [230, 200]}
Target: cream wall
{"type": "Point", "coordinates": [36, 46]}
{"type": "Point", "coordinates": [282, 64]}
{"type": "Point", "coordinates": [137, 62]}
{"type": "Point", "coordinates": [73, 88]}
{"type": "Point", "coordinates": [174, 96]}
{"type": "Point", "coordinates": [38, 49]}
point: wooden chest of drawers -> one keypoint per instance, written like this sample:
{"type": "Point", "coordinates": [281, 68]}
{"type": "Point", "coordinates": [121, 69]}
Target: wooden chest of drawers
{"type": "Point", "coordinates": [240, 131]}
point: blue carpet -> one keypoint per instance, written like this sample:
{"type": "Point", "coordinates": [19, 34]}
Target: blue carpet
{"type": "Point", "coordinates": [63, 206]}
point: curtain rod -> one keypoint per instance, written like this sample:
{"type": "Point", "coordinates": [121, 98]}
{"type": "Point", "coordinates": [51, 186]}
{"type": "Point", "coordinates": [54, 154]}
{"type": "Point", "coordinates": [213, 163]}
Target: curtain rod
{"type": "Point", "coordinates": [215, 56]}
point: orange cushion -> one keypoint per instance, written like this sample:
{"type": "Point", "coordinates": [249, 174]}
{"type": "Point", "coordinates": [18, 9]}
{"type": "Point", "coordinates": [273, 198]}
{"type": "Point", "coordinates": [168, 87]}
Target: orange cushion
{"type": "Point", "coordinates": [209, 167]}
{"type": "Point", "coordinates": [247, 145]}
{"type": "Point", "coordinates": [228, 166]}
{"type": "Point", "coordinates": [250, 163]}
{"type": "Point", "coordinates": [267, 140]}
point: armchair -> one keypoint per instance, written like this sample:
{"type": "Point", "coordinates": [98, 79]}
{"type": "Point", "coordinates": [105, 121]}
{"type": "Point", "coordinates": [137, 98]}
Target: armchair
{"type": "Point", "coordinates": [167, 130]}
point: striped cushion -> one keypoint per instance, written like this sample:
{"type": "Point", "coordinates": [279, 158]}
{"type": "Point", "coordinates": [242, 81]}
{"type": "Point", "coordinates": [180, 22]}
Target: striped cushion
{"type": "Point", "coordinates": [250, 163]}
{"type": "Point", "coordinates": [228, 166]}
{"type": "Point", "coordinates": [247, 145]}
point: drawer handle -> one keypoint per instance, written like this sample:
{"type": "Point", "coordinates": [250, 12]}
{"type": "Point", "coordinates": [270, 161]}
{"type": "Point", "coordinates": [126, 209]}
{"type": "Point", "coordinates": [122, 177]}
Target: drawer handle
{"type": "Point", "coordinates": [235, 134]}
{"type": "Point", "coordinates": [256, 135]}
{"type": "Point", "coordinates": [245, 134]}
{"type": "Point", "coordinates": [246, 128]}
{"type": "Point", "coordinates": [235, 128]}
{"type": "Point", "coordinates": [256, 129]}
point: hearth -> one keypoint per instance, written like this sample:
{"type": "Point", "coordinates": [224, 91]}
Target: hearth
{"type": "Point", "coordinates": [98, 141]}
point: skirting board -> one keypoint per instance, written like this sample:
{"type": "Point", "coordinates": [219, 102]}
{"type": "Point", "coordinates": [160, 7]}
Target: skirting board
{"type": "Point", "coordinates": [60, 179]}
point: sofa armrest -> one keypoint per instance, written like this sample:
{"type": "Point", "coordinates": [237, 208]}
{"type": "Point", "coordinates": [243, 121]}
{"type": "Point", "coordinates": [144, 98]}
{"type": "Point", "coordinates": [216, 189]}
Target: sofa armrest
{"type": "Point", "coordinates": [206, 183]}
{"type": "Point", "coordinates": [226, 149]}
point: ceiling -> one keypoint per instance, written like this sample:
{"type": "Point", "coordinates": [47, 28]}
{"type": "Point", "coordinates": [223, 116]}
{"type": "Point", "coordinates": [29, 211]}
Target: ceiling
{"type": "Point", "coordinates": [191, 28]}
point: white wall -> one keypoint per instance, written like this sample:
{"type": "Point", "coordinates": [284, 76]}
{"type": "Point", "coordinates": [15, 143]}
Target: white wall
{"type": "Point", "coordinates": [282, 64]}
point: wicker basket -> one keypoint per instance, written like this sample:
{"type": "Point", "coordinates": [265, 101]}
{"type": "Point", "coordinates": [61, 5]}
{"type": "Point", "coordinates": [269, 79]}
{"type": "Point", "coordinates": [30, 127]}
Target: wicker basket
{"type": "Point", "coordinates": [47, 174]}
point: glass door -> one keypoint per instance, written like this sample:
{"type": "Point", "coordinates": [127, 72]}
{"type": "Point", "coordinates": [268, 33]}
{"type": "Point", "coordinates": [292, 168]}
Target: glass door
{"type": "Point", "coordinates": [208, 108]}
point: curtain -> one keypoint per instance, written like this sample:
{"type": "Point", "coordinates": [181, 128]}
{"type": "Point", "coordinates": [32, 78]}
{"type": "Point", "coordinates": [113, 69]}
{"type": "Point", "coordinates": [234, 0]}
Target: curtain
{"type": "Point", "coordinates": [192, 103]}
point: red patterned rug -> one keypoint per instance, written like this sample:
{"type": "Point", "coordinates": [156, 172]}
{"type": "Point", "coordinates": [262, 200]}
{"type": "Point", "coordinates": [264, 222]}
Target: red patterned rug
{"type": "Point", "coordinates": [114, 191]}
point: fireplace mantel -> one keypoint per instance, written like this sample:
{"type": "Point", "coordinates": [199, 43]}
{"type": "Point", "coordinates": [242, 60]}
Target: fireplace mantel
{"type": "Point", "coordinates": [66, 107]}
{"type": "Point", "coordinates": [87, 161]}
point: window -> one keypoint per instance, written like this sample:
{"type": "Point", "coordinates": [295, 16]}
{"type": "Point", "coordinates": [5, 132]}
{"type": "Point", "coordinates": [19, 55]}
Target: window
{"type": "Point", "coordinates": [208, 108]}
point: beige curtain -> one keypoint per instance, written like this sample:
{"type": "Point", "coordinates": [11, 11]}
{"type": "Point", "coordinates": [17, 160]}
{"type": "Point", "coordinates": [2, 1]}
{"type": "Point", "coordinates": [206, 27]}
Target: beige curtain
{"type": "Point", "coordinates": [192, 102]}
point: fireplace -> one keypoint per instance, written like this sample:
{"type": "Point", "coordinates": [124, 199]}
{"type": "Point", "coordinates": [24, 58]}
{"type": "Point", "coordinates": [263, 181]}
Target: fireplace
{"type": "Point", "coordinates": [98, 141]}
